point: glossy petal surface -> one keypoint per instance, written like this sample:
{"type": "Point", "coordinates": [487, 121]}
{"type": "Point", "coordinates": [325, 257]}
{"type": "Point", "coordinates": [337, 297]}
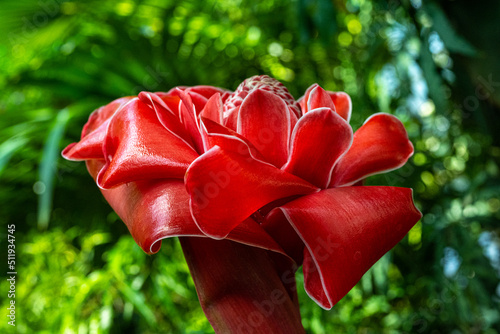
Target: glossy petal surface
{"type": "Point", "coordinates": [94, 133]}
{"type": "Point", "coordinates": [228, 187]}
{"type": "Point", "coordinates": [319, 98]}
{"type": "Point", "coordinates": [227, 139]}
{"type": "Point", "coordinates": [315, 97]}
{"type": "Point", "coordinates": [198, 100]}
{"type": "Point", "coordinates": [231, 118]}
{"type": "Point", "coordinates": [343, 104]}
{"type": "Point", "coordinates": [380, 145]}
{"type": "Point", "coordinates": [213, 109]}
{"type": "Point", "coordinates": [206, 91]}
{"type": "Point", "coordinates": [265, 121]}
{"type": "Point", "coordinates": [90, 147]}
{"type": "Point", "coordinates": [346, 230]}
{"type": "Point", "coordinates": [189, 118]}
{"type": "Point", "coordinates": [167, 117]}
{"type": "Point", "coordinates": [320, 137]}
{"type": "Point", "coordinates": [137, 147]}
{"type": "Point", "coordinates": [277, 226]}
{"type": "Point", "coordinates": [158, 209]}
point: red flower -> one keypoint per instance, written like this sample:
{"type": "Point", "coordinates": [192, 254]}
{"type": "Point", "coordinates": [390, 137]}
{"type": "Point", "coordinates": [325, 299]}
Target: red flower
{"type": "Point", "coordinates": [259, 168]}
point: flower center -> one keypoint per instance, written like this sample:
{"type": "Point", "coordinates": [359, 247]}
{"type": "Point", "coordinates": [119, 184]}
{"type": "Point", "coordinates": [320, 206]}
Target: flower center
{"type": "Point", "coordinates": [263, 82]}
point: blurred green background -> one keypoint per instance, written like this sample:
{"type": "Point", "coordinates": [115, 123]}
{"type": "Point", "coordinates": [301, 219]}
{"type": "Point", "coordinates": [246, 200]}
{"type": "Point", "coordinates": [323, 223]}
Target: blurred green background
{"type": "Point", "coordinates": [433, 64]}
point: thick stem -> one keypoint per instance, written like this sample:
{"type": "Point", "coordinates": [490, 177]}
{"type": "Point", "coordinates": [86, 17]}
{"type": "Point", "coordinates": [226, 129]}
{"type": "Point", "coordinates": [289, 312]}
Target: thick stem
{"type": "Point", "coordinates": [239, 288]}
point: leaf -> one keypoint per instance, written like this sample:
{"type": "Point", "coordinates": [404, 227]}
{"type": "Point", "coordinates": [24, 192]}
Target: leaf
{"type": "Point", "coordinates": [8, 148]}
{"type": "Point", "coordinates": [433, 79]}
{"type": "Point", "coordinates": [453, 41]}
{"type": "Point", "coordinates": [316, 16]}
{"type": "Point", "coordinates": [47, 169]}
{"type": "Point", "coordinates": [137, 299]}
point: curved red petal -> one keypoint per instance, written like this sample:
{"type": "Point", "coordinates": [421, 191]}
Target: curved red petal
{"type": "Point", "coordinates": [207, 91]}
{"type": "Point", "coordinates": [166, 116]}
{"type": "Point", "coordinates": [346, 230]}
{"type": "Point", "coordinates": [264, 120]}
{"type": "Point", "coordinates": [319, 98]}
{"type": "Point", "coordinates": [199, 101]}
{"type": "Point", "coordinates": [380, 145]}
{"type": "Point", "coordinates": [138, 147]}
{"type": "Point", "coordinates": [278, 227]}
{"type": "Point", "coordinates": [343, 104]}
{"type": "Point", "coordinates": [90, 147]}
{"type": "Point", "coordinates": [153, 210]}
{"type": "Point", "coordinates": [171, 100]}
{"type": "Point", "coordinates": [94, 133]}
{"type": "Point", "coordinates": [249, 232]}
{"type": "Point", "coordinates": [219, 135]}
{"type": "Point", "coordinates": [158, 209]}
{"type": "Point", "coordinates": [302, 101]}
{"type": "Point", "coordinates": [101, 115]}
{"type": "Point", "coordinates": [189, 117]}
{"type": "Point", "coordinates": [198, 95]}
{"type": "Point", "coordinates": [313, 282]}
{"type": "Point", "coordinates": [213, 109]}
{"type": "Point", "coordinates": [316, 97]}
{"type": "Point", "coordinates": [231, 118]}
{"type": "Point", "coordinates": [293, 119]}
{"type": "Point", "coordinates": [320, 137]}
{"type": "Point", "coordinates": [228, 187]}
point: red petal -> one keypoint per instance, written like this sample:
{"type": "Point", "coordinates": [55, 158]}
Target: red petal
{"type": "Point", "coordinates": [90, 147]}
{"type": "Point", "coordinates": [138, 147]}
{"type": "Point", "coordinates": [343, 104]}
{"type": "Point", "coordinates": [303, 99]}
{"type": "Point", "coordinates": [188, 116]}
{"type": "Point", "coordinates": [166, 116]}
{"type": "Point", "coordinates": [101, 115]}
{"type": "Point", "coordinates": [213, 109]}
{"type": "Point", "coordinates": [219, 135]}
{"type": "Point", "coordinates": [206, 91]}
{"type": "Point", "coordinates": [153, 210]}
{"type": "Point", "coordinates": [264, 120]}
{"type": "Point", "coordinates": [94, 133]}
{"type": "Point", "coordinates": [278, 227]}
{"type": "Point", "coordinates": [314, 97]}
{"type": "Point", "coordinates": [158, 209]}
{"type": "Point", "coordinates": [199, 95]}
{"type": "Point", "coordinates": [231, 118]}
{"type": "Point", "coordinates": [293, 117]}
{"type": "Point", "coordinates": [313, 282]}
{"type": "Point", "coordinates": [320, 137]}
{"type": "Point", "coordinates": [346, 230]}
{"type": "Point", "coordinates": [171, 99]}
{"type": "Point", "coordinates": [319, 98]}
{"type": "Point", "coordinates": [249, 232]}
{"type": "Point", "coordinates": [198, 100]}
{"type": "Point", "coordinates": [380, 145]}
{"type": "Point", "coordinates": [227, 187]}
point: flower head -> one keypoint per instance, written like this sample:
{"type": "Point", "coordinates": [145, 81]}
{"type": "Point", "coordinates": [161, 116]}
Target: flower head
{"type": "Point", "coordinates": [257, 167]}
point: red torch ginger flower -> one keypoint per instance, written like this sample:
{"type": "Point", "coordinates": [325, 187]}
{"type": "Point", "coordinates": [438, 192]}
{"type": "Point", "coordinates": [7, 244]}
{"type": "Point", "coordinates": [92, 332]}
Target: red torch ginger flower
{"type": "Point", "coordinates": [257, 167]}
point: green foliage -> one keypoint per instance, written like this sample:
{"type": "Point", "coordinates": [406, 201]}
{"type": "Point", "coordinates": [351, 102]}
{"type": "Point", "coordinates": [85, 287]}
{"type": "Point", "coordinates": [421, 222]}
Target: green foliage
{"type": "Point", "coordinates": [78, 269]}
{"type": "Point", "coordinates": [76, 283]}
